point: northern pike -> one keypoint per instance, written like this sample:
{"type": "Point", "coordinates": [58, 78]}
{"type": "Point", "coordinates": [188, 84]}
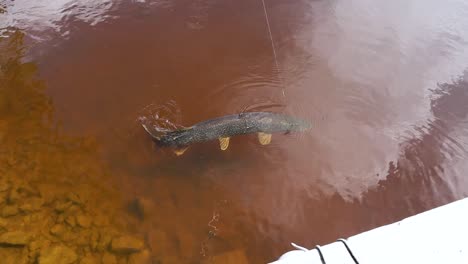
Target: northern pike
{"type": "Point", "coordinates": [223, 128]}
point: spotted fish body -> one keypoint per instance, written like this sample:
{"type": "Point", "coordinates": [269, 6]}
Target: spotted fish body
{"type": "Point", "coordinates": [222, 128]}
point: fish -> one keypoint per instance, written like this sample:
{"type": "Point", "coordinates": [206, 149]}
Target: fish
{"type": "Point", "coordinates": [264, 124]}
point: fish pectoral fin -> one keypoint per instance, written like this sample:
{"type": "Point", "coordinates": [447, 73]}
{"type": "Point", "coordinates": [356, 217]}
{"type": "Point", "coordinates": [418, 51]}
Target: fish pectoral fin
{"type": "Point", "coordinates": [223, 143]}
{"type": "Point", "coordinates": [180, 151]}
{"type": "Point", "coordinates": [264, 138]}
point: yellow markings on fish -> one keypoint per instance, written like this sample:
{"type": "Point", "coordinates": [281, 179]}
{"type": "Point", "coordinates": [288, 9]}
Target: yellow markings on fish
{"type": "Point", "coordinates": [264, 138]}
{"type": "Point", "coordinates": [180, 151]}
{"type": "Point", "coordinates": [224, 143]}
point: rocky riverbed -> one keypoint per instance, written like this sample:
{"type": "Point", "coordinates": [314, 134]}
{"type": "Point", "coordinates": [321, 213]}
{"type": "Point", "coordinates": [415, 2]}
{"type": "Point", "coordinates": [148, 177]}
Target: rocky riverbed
{"type": "Point", "coordinates": [41, 225]}
{"type": "Point", "coordinates": [56, 203]}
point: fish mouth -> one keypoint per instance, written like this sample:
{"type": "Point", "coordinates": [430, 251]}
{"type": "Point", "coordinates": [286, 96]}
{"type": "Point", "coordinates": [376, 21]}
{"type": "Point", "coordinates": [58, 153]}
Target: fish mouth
{"type": "Point", "coordinates": [149, 132]}
{"type": "Point", "coordinates": [154, 131]}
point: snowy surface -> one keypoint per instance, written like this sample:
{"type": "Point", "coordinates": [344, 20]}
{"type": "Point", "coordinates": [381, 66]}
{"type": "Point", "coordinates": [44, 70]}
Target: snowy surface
{"type": "Point", "coordinates": [436, 236]}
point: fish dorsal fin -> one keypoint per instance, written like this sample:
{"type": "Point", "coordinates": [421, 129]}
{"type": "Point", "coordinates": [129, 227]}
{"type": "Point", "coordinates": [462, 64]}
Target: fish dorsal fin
{"type": "Point", "coordinates": [180, 151]}
{"type": "Point", "coordinates": [264, 138]}
{"type": "Point", "coordinates": [223, 143]}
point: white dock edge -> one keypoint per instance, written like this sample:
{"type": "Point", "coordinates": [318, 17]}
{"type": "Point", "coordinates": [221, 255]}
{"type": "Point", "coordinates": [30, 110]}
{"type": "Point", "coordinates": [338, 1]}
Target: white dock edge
{"type": "Point", "coordinates": [437, 236]}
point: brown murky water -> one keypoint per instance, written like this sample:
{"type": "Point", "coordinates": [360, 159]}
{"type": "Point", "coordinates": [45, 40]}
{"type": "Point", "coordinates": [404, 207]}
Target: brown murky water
{"type": "Point", "coordinates": [383, 83]}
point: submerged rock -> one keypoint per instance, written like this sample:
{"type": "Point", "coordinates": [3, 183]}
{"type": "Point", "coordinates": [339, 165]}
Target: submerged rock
{"type": "Point", "coordinates": [36, 203]}
{"type": "Point", "coordinates": [4, 186]}
{"type": "Point", "coordinates": [57, 254]}
{"type": "Point", "coordinates": [143, 257]}
{"type": "Point", "coordinates": [14, 238]}
{"type": "Point", "coordinates": [74, 198]}
{"type": "Point", "coordinates": [108, 258]}
{"type": "Point", "coordinates": [63, 233]}
{"type": "Point", "coordinates": [27, 208]}
{"type": "Point", "coordinates": [62, 206]}
{"type": "Point", "coordinates": [126, 245]}
{"type": "Point", "coordinates": [83, 221]}
{"type": "Point", "coordinates": [104, 241]}
{"type": "Point", "coordinates": [27, 191]}
{"type": "Point", "coordinates": [70, 220]}
{"type": "Point", "coordinates": [13, 256]}
{"type": "Point", "coordinates": [35, 246]}
{"type": "Point", "coordinates": [94, 240]}
{"type": "Point", "coordinates": [10, 210]}
{"type": "Point", "coordinates": [3, 223]}
{"type": "Point", "coordinates": [47, 191]}
{"type": "Point", "coordinates": [141, 208]}
{"type": "Point", "coordinates": [58, 230]}
{"type": "Point", "coordinates": [13, 196]}
{"type": "Point", "coordinates": [90, 259]}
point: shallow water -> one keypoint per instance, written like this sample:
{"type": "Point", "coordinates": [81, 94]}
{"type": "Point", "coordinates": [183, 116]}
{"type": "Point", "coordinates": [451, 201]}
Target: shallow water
{"type": "Point", "coordinates": [384, 85]}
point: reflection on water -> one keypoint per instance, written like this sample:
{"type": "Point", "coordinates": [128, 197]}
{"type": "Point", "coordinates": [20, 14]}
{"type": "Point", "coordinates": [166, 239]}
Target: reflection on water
{"type": "Point", "coordinates": [383, 84]}
{"type": "Point", "coordinates": [36, 17]}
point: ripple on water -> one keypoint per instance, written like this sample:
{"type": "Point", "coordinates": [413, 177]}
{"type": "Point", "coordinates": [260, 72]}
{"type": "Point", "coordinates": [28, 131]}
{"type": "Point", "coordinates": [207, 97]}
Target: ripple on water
{"type": "Point", "coordinates": [161, 117]}
{"type": "Point", "coordinates": [247, 92]}
{"type": "Point", "coordinates": [35, 17]}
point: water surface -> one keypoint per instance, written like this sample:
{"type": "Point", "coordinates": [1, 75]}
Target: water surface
{"type": "Point", "coordinates": [384, 85]}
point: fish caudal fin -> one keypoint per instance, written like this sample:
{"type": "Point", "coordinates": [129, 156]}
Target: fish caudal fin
{"type": "Point", "coordinates": [180, 151]}
{"type": "Point", "coordinates": [264, 138]}
{"type": "Point", "coordinates": [224, 143]}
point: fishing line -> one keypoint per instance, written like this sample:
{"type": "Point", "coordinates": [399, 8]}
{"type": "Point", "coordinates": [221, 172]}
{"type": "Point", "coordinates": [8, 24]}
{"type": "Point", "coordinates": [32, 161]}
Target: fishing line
{"type": "Point", "coordinates": [272, 44]}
